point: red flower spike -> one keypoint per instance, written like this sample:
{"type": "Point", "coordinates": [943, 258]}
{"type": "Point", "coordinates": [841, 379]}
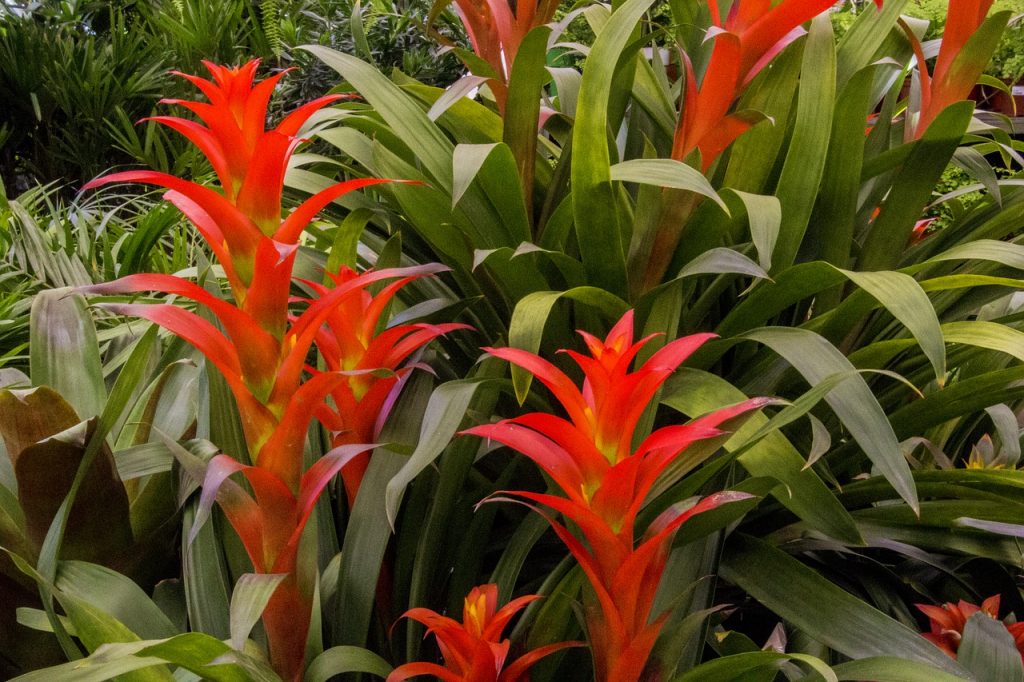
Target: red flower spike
{"type": "Point", "coordinates": [263, 349]}
{"type": "Point", "coordinates": [496, 33]}
{"type": "Point", "coordinates": [752, 35]}
{"type": "Point", "coordinates": [953, 75]}
{"type": "Point", "coordinates": [606, 483]}
{"type": "Point", "coordinates": [947, 622]}
{"type": "Point", "coordinates": [473, 650]}
{"type": "Point", "coordinates": [349, 343]}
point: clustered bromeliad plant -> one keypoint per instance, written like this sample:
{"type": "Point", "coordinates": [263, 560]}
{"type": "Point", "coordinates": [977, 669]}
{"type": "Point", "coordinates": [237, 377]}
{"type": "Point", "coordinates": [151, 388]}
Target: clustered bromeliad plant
{"type": "Point", "coordinates": [728, 202]}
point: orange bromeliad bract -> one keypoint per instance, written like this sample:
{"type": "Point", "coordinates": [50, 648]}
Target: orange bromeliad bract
{"type": "Point", "coordinates": [956, 70]}
{"type": "Point", "coordinates": [496, 31]}
{"type": "Point", "coordinates": [262, 352]}
{"type": "Point", "coordinates": [473, 650]}
{"type": "Point", "coordinates": [752, 34]}
{"type": "Point", "coordinates": [370, 361]}
{"type": "Point", "coordinates": [947, 623]}
{"type": "Point", "coordinates": [605, 481]}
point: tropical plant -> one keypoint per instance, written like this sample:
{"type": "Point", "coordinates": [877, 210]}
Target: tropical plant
{"type": "Point", "coordinates": [750, 209]}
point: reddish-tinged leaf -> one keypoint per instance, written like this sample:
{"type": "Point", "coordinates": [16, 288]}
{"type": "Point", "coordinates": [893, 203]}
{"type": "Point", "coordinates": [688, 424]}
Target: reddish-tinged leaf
{"type": "Point", "coordinates": [518, 669]}
{"type": "Point", "coordinates": [404, 672]}
{"type": "Point", "coordinates": [295, 120]}
{"type": "Point", "coordinates": [316, 479]}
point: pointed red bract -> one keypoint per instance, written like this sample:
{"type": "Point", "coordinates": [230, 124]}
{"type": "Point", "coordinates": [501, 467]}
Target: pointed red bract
{"type": "Point", "coordinates": [495, 32]}
{"type": "Point", "coordinates": [955, 73]}
{"type": "Point", "coordinates": [947, 622]}
{"type": "Point", "coordinates": [606, 482]}
{"type": "Point", "coordinates": [473, 650]}
{"type": "Point", "coordinates": [750, 37]}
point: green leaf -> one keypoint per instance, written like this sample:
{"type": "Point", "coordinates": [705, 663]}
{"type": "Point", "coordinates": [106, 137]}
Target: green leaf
{"type": "Point", "coordinates": [116, 595]}
{"type": "Point", "coordinates": [444, 412]}
{"type": "Point", "coordinates": [906, 300]}
{"type": "Point", "coordinates": [368, 532]}
{"type": "Point", "coordinates": [248, 600]}
{"type": "Point", "coordinates": [345, 659]}
{"type": "Point", "coordinates": [666, 173]}
{"type": "Point", "coordinates": [984, 334]}
{"type": "Point", "coordinates": [722, 260]}
{"type": "Point", "coordinates": [400, 112]}
{"type": "Point", "coordinates": [522, 109]}
{"type": "Point", "coordinates": [912, 188]}
{"type": "Point", "coordinates": [694, 392]}
{"type": "Point", "coordinates": [988, 650]}
{"type": "Point", "coordinates": [764, 214]}
{"type": "Point", "coordinates": [729, 668]}
{"type": "Point", "coordinates": [854, 403]}
{"type": "Point", "coordinates": [808, 147]}
{"type": "Point", "coordinates": [64, 353]}
{"type": "Point", "coordinates": [594, 199]}
{"type": "Point", "coordinates": [796, 593]}
{"type": "Point", "coordinates": [466, 163]}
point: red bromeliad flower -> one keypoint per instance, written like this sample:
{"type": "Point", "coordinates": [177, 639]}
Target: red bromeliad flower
{"type": "Point", "coordinates": [606, 482]}
{"type": "Point", "coordinates": [473, 650]}
{"type": "Point", "coordinates": [263, 350]}
{"type": "Point", "coordinates": [496, 31]}
{"type": "Point", "coordinates": [753, 33]}
{"type": "Point", "coordinates": [370, 361]}
{"type": "Point", "coordinates": [956, 71]}
{"type": "Point", "coordinates": [947, 623]}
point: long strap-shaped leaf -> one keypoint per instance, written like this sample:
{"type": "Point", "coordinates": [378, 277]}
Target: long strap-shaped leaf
{"type": "Point", "coordinates": [595, 205]}
{"type": "Point", "coordinates": [796, 593]}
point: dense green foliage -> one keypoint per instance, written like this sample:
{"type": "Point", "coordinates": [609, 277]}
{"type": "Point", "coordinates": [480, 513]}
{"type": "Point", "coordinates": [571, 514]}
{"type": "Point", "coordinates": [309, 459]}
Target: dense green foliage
{"type": "Point", "coordinates": [560, 184]}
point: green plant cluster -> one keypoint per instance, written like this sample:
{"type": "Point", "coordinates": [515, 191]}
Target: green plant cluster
{"type": "Point", "coordinates": [875, 465]}
{"type": "Point", "coordinates": [77, 76]}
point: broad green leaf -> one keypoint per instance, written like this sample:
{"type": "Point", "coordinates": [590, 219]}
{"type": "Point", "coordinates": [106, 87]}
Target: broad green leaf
{"type": "Point", "coordinates": [764, 215]}
{"type": "Point", "coordinates": [984, 334]}
{"type": "Point", "coordinates": [988, 650]}
{"type": "Point", "coordinates": [1013, 530]}
{"type": "Point", "coordinates": [854, 403]}
{"type": "Point", "coordinates": [64, 352]}
{"type": "Point", "coordinates": [796, 593]}
{"type": "Point", "coordinates": [456, 91]}
{"type": "Point", "coordinates": [1006, 253]}
{"type": "Point", "coordinates": [666, 173]}
{"type": "Point", "coordinates": [400, 112]}
{"type": "Point", "coordinates": [805, 157]}
{"type": "Point", "coordinates": [368, 532]}
{"type": "Point", "coordinates": [522, 110]}
{"type": "Point", "coordinates": [906, 300]}
{"type": "Point", "coordinates": [865, 37]}
{"type": "Point", "coordinates": [345, 659]}
{"type": "Point", "coordinates": [466, 163]}
{"type": "Point", "coordinates": [95, 628]}
{"type": "Point", "coordinates": [594, 198]}
{"type": "Point", "coordinates": [444, 412]}
{"type": "Point", "coordinates": [834, 220]}
{"type": "Point", "coordinates": [114, 594]}
{"type": "Point", "coordinates": [801, 491]}
{"type": "Point", "coordinates": [889, 669]}
{"type": "Point", "coordinates": [722, 260]}
{"type": "Point", "coordinates": [730, 668]}
{"type": "Point", "coordinates": [248, 600]}
{"type": "Point", "coordinates": [912, 188]}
